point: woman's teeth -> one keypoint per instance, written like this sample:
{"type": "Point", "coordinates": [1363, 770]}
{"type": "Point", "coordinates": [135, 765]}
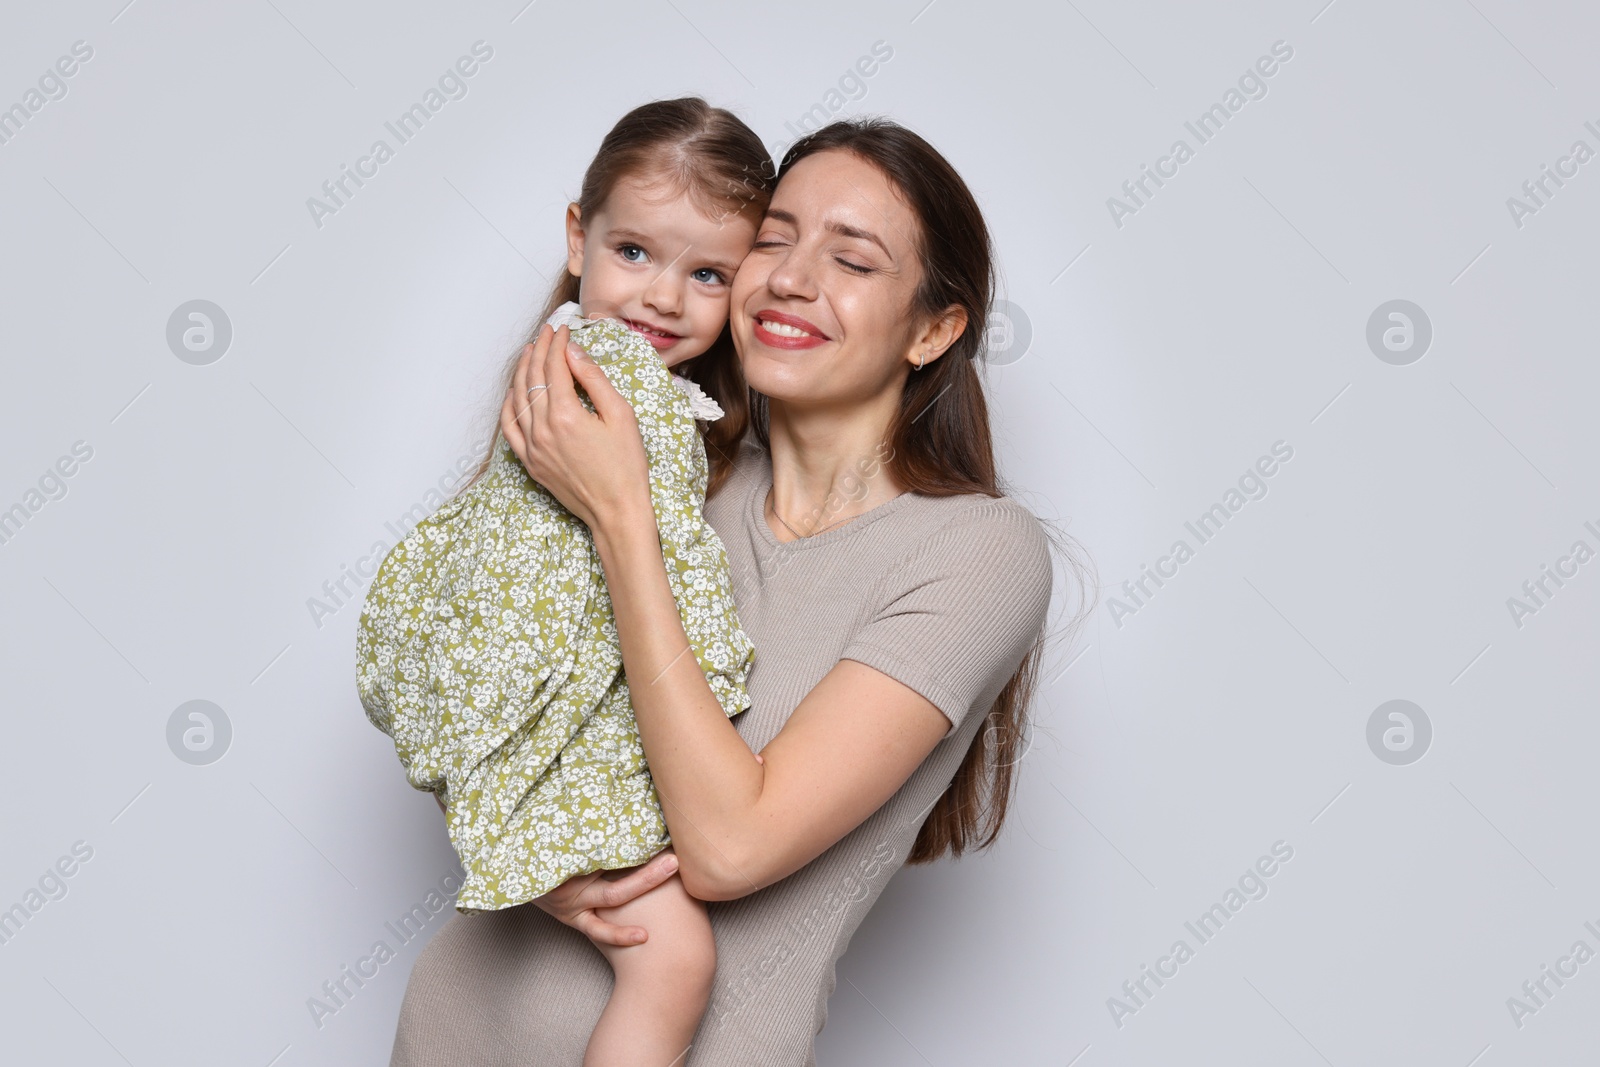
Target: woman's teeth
{"type": "Point", "coordinates": [783, 329]}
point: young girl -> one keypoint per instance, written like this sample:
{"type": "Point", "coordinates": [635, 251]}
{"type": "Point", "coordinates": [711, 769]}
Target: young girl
{"type": "Point", "coordinates": [487, 647]}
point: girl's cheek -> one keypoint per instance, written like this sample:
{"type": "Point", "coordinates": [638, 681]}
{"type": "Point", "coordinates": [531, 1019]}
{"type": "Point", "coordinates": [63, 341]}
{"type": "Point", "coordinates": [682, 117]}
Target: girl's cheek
{"type": "Point", "coordinates": [716, 316]}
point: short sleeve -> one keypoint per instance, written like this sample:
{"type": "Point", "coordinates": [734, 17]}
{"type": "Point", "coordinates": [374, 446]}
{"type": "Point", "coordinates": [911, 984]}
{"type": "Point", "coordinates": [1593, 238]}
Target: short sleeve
{"type": "Point", "coordinates": [955, 618]}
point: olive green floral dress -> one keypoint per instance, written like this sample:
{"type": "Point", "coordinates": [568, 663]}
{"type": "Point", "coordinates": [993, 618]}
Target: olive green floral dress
{"type": "Point", "coordinates": [487, 649]}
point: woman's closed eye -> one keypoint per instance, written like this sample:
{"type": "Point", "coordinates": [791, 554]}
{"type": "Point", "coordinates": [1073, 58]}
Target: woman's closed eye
{"type": "Point", "coordinates": [767, 244]}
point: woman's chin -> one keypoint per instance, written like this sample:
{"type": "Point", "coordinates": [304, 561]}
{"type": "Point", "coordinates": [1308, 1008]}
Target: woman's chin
{"type": "Point", "coordinates": [778, 379]}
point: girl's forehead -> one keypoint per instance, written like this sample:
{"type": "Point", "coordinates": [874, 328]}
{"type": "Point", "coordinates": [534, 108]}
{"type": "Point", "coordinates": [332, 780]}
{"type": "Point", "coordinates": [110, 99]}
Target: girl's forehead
{"type": "Point", "coordinates": [676, 223]}
{"type": "Point", "coordinates": [709, 195]}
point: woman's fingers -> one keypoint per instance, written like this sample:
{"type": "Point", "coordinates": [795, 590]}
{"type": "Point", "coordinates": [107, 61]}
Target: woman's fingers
{"type": "Point", "coordinates": [609, 404]}
{"type": "Point", "coordinates": [605, 893]}
{"type": "Point", "coordinates": [529, 373]}
{"type": "Point", "coordinates": [608, 933]}
{"type": "Point", "coordinates": [593, 463]}
{"type": "Point", "coordinates": [577, 900]}
{"type": "Point", "coordinates": [516, 405]}
{"type": "Point", "coordinates": [574, 903]}
{"type": "Point", "coordinates": [516, 414]}
{"type": "Point", "coordinates": [510, 426]}
{"type": "Point", "coordinates": [539, 362]}
{"type": "Point", "coordinates": [635, 883]}
{"type": "Point", "coordinates": [553, 367]}
{"type": "Point", "coordinates": [537, 421]}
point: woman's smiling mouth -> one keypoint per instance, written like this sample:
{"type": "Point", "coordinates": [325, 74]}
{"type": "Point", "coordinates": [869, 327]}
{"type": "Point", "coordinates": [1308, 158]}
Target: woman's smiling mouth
{"type": "Point", "coordinates": [777, 330]}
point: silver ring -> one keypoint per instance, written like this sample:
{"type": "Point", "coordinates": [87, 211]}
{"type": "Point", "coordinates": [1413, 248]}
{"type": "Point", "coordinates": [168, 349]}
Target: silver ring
{"type": "Point", "coordinates": [531, 388]}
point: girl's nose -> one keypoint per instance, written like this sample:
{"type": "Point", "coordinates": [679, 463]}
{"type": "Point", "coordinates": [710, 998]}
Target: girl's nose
{"type": "Point", "coordinates": [664, 294]}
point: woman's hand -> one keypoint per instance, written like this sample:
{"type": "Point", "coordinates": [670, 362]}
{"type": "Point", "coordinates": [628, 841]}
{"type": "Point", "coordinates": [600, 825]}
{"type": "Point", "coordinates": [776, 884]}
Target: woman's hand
{"type": "Point", "coordinates": [594, 464]}
{"type": "Point", "coordinates": [575, 900]}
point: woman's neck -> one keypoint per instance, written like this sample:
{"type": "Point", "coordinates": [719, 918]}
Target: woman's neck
{"type": "Point", "coordinates": [827, 467]}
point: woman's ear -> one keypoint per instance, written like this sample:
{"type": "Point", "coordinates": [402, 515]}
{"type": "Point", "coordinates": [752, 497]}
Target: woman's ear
{"type": "Point", "coordinates": [574, 241]}
{"type": "Point", "coordinates": [945, 330]}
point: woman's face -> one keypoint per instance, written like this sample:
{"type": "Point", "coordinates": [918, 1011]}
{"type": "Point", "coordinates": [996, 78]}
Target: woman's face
{"type": "Point", "coordinates": [821, 306]}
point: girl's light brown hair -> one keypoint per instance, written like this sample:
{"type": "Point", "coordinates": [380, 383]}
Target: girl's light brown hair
{"type": "Point", "coordinates": [941, 446]}
{"type": "Point", "coordinates": [721, 165]}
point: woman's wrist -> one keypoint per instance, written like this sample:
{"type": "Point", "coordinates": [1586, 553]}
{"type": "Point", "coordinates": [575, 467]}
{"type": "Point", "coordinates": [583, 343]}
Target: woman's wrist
{"type": "Point", "coordinates": [629, 527]}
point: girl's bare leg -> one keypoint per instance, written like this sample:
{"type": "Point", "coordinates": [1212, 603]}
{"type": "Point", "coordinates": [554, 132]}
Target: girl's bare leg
{"type": "Point", "coordinates": [662, 986]}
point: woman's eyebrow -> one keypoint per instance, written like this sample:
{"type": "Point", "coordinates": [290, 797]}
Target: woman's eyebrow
{"type": "Point", "coordinates": [840, 228]}
{"type": "Point", "coordinates": [856, 232]}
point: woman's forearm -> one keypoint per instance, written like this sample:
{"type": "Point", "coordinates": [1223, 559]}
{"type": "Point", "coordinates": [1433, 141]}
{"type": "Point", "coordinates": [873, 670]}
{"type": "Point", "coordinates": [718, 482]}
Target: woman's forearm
{"type": "Point", "coordinates": [710, 788]}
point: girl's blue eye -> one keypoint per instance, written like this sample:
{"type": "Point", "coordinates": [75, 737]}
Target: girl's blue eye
{"type": "Point", "coordinates": [627, 253]}
{"type": "Point", "coordinates": [708, 276]}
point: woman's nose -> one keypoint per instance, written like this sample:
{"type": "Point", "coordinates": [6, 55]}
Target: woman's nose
{"type": "Point", "coordinates": [794, 275]}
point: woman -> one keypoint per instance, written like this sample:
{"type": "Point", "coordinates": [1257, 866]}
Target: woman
{"type": "Point", "coordinates": [896, 600]}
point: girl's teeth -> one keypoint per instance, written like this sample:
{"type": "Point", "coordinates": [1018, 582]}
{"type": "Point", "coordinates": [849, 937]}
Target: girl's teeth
{"type": "Point", "coordinates": [783, 329]}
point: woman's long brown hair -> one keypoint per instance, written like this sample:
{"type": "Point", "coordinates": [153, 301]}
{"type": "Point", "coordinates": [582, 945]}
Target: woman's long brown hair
{"type": "Point", "coordinates": [712, 156]}
{"type": "Point", "coordinates": [941, 446]}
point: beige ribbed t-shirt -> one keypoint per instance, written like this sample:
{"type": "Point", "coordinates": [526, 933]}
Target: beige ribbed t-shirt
{"type": "Point", "coordinates": [945, 594]}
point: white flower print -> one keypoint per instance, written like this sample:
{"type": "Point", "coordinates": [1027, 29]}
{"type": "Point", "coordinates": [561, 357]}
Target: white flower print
{"type": "Point", "coordinates": [487, 649]}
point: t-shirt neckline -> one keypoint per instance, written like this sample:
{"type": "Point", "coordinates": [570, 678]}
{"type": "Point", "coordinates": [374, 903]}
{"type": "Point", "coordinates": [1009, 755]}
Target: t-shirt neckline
{"type": "Point", "coordinates": [756, 510]}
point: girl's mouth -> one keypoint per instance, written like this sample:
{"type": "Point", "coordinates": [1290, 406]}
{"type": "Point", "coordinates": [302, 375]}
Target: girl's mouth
{"type": "Point", "coordinates": [777, 330]}
{"type": "Point", "coordinates": [661, 339]}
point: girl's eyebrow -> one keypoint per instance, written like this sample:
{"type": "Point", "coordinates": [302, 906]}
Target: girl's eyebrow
{"type": "Point", "coordinates": [840, 228]}
{"type": "Point", "coordinates": [727, 267]}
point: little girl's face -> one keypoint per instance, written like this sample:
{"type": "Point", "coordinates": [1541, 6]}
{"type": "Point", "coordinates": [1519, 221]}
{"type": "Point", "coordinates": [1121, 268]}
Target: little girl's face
{"type": "Point", "coordinates": [653, 259]}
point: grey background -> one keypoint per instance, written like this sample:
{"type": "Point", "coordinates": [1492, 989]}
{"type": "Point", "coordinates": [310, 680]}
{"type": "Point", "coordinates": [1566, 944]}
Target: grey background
{"type": "Point", "coordinates": [1166, 355]}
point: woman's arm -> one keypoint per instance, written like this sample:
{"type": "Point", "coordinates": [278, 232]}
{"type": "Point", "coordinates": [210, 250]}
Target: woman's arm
{"type": "Point", "coordinates": [737, 825]}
